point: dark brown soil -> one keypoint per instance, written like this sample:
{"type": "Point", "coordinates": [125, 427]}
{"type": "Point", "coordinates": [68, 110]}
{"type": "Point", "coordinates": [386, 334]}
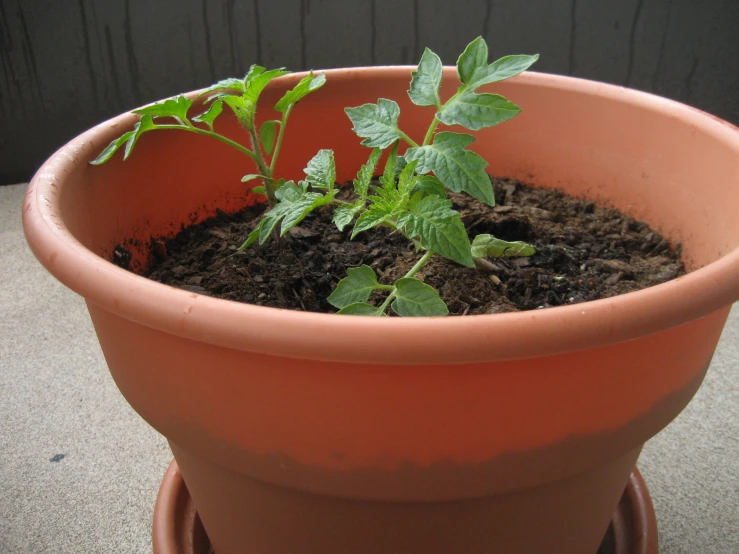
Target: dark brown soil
{"type": "Point", "coordinates": [584, 252]}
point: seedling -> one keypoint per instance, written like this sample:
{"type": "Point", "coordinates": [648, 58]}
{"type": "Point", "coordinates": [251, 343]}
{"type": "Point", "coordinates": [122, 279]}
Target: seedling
{"type": "Point", "coordinates": [241, 95]}
{"type": "Point", "coordinates": [411, 195]}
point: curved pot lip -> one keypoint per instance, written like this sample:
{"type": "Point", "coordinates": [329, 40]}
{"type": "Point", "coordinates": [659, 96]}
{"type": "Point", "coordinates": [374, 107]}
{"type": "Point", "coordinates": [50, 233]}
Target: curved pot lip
{"type": "Point", "coordinates": [357, 339]}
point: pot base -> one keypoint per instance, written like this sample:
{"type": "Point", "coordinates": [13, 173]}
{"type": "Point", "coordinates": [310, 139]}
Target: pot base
{"type": "Point", "coordinates": [177, 528]}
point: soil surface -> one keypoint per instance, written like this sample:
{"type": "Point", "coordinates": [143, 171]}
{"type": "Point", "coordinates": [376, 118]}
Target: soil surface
{"type": "Point", "coordinates": [583, 252]}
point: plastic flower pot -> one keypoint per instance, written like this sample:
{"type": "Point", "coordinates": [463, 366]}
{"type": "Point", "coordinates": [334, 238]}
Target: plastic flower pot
{"type": "Point", "coordinates": [321, 434]}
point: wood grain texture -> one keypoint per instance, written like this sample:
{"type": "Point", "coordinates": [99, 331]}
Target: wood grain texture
{"type": "Point", "coordinates": [65, 66]}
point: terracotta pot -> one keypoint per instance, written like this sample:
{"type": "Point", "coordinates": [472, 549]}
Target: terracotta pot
{"type": "Point", "coordinates": [178, 529]}
{"type": "Point", "coordinates": [320, 434]}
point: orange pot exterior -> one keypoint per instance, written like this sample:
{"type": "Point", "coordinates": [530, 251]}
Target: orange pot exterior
{"type": "Point", "coordinates": [411, 412]}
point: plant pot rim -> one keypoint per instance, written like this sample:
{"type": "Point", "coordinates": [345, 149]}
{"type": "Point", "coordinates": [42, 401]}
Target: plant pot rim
{"type": "Point", "coordinates": [358, 339]}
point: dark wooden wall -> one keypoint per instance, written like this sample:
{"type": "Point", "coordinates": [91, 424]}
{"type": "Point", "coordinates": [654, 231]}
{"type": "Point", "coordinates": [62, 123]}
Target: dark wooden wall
{"type": "Point", "coordinates": [67, 64]}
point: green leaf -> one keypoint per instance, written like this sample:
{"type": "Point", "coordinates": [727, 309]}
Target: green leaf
{"type": "Point", "coordinates": [415, 298]}
{"type": "Point", "coordinates": [259, 190]}
{"type": "Point", "coordinates": [267, 135]}
{"type": "Point", "coordinates": [373, 217]}
{"type": "Point", "coordinates": [426, 80]}
{"type": "Point", "coordinates": [241, 110]}
{"type": "Point", "coordinates": [344, 215]}
{"type": "Point", "coordinates": [504, 68]}
{"type": "Point", "coordinates": [209, 116]}
{"type": "Point", "coordinates": [296, 211]}
{"type": "Point", "coordinates": [232, 84]}
{"type": "Point", "coordinates": [366, 172]}
{"type": "Point", "coordinates": [357, 286]}
{"type": "Point", "coordinates": [288, 192]}
{"type": "Point", "coordinates": [144, 124]}
{"type": "Point", "coordinates": [306, 85]}
{"type": "Point", "coordinates": [388, 176]}
{"type": "Point", "coordinates": [112, 148]}
{"type": "Point", "coordinates": [487, 246]}
{"type": "Point", "coordinates": [172, 107]}
{"type": "Point", "coordinates": [252, 237]}
{"type": "Point", "coordinates": [376, 123]}
{"type": "Point", "coordinates": [459, 169]}
{"type": "Point", "coordinates": [477, 111]}
{"type": "Point", "coordinates": [247, 178]}
{"type": "Point", "coordinates": [474, 71]}
{"type": "Point", "coordinates": [407, 178]}
{"type": "Point", "coordinates": [428, 185]}
{"type": "Point", "coordinates": [245, 106]}
{"type": "Point", "coordinates": [433, 222]}
{"type": "Point", "coordinates": [473, 60]}
{"type": "Point", "coordinates": [321, 170]}
{"type": "Point", "coordinates": [361, 308]}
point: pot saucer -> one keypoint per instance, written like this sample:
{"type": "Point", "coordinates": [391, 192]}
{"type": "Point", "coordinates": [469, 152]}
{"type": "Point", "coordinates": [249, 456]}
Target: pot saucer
{"type": "Point", "coordinates": [177, 528]}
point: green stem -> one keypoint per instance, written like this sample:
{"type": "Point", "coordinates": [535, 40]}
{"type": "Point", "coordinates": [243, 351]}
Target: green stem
{"type": "Point", "coordinates": [280, 134]}
{"type": "Point", "coordinates": [408, 139]}
{"type": "Point", "coordinates": [419, 264]}
{"type": "Point", "coordinates": [430, 132]}
{"type": "Point", "coordinates": [264, 170]}
{"type": "Point", "coordinates": [207, 133]}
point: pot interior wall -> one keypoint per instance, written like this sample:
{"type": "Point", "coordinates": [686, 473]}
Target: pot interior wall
{"type": "Point", "coordinates": [618, 148]}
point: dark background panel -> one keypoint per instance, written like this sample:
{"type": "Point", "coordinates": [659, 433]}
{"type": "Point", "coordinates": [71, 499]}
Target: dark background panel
{"type": "Point", "coordinates": [65, 66]}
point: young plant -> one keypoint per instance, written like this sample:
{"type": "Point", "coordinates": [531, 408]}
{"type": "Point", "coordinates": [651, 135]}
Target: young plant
{"type": "Point", "coordinates": [412, 195]}
{"type": "Point", "coordinates": [241, 96]}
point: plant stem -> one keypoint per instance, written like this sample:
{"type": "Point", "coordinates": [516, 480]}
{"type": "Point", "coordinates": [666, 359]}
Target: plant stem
{"type": "Point", "coordinates": [280, 134]}
{"type": "Point", "coordinates": [207, 133]}
{"type": "Point", "coordinates": [408, 139]}
{"type": "Point", "coordinates": [419, 264]}
{"type": "Point", "coordinates": [265, 172]}
{"type": "Point", "coordinates": [430, 132]}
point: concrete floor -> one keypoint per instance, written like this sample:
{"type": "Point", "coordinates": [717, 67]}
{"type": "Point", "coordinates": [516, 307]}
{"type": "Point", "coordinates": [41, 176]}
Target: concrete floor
{"type": "Point", "coordinates": [79, 470]}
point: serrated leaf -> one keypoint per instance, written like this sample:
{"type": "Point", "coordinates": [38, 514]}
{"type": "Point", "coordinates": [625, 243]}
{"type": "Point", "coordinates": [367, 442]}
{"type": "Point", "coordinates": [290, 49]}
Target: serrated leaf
{"type": "Point", "coordinates": [210, 115]}
{"type": "Point", "coordinates": [460, 170]}
{"type": "Point", "coordinates": [252, 237]}
{"type": "Point", "coordinates": [373, 217]}
{"type": "Point", "coordinates": [247, 178]}
{"type": "Point", "coordinates": [428, 185]}
{"type": "Point", "coordinates": [172, 107]}
{"type": "Point", "coordinates": [388, 176]}
{"type": "Point", "coordinates": [145, 124]}
{"type": "Point", "coordinates": [477, 111]}
{"type": "Point", "coordinates": [321, 170]}
{"type": "Point", "coordinates": [407, 178]}
{"type": "Point", "coordinates": [361, 308]}
{"type": "Point", "coordinates": [344, 215]}
{"type": "Point", "coordinates": [376, 123]}
{"type": "Point", "coordinates": [487, 246]}
{"type": "Point", "coordinates": [474, 71]}
{"type": "Point", "coordinates": [232, 84]}
{"type": "Point", "coordinates": [415, 298]}
{"type": "Point", "coordinates": [400, 164]}
{"type": "Point", "coordinates": [112, 148]}
{"type": "Point", "coordinates": [267, 135]}
{"type": "Point", "coordinates": [306, 85]}
{"type": "Point", "coordinates": [366, 172]}
{"type": "Point", "coordinates": [245, 106]}
{"type": "Point", "coordinates": [426, 80]}
{"type": "Point", "coordinates": [357, 286]}
{"type": "Point", "coordinates": [433, 222]}
{"type": "Point", "coordinates": [241, 110]}
{"type": "Point", "coordinates": [473, 60]}
{"type": "Point", "coordinates": [503, 68]}
{"type": "Point", "coordinates": [296, 211]}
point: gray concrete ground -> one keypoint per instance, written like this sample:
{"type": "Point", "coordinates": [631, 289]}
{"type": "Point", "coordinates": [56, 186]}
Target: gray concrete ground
{"type": "Point", "coordinates": [57, 398]}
